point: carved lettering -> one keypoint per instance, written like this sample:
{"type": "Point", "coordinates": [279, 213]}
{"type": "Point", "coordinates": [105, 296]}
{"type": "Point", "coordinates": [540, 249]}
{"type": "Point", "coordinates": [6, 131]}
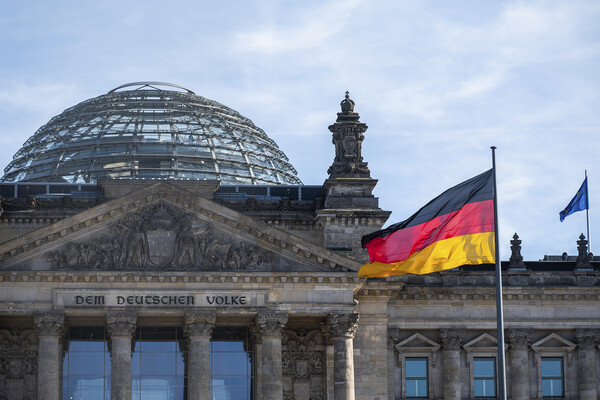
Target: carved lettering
{"type": "Point", "coordinates": [151, 300]}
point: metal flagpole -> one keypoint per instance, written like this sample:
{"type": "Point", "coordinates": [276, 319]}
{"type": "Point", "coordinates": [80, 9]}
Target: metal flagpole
{"type": "Point", "coordinates": [499, 308]}
{"type": "Point", "coordinates": [587, 212]}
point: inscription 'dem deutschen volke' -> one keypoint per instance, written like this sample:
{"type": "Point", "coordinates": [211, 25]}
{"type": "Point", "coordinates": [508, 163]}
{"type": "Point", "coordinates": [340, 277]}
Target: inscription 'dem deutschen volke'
{"type": "Point", "coordinates": [74, 298]}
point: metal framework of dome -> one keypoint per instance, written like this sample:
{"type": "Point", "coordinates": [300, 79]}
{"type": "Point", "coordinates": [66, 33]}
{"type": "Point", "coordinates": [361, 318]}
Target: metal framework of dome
{"type": "Point", "coordinates": [143, 131]}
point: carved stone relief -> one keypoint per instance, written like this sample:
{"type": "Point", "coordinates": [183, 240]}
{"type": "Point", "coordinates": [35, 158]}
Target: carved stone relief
{"type": "Point", "coordinates": [161, 237]}
{"type": "Point", "coordinates": [18, 364]}
{"type": "Point", "coordinates": [303, 365]}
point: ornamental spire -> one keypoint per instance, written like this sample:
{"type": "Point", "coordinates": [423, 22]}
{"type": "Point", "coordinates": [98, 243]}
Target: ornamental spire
{"type": "Point", "coordinates": [348, 135]}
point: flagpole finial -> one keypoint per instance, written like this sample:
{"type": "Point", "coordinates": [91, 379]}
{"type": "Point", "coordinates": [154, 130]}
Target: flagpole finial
{"type": "Point", "coordinates": [493, 147]}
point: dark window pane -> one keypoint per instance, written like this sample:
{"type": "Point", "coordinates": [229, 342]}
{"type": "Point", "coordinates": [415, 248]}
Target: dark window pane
{"type": "Point", "coordinates": [229, 364]}
{"type": "Point", "coordinates": [416, 367]}
{"type": "Point", "coordinates": [86, 346]}
{"type": "Point", "coordinates": [484, 367]}
{"type": "Point", "coordinates": [551, 367]}
{"type": "Point", "coordinates": [86, 364]}
{"type": "Point", "coordinates": [416, 388]}
{"type": "Point", "coordinates": [158, 364]}
{"type": "Point", "coordinates": [159, 346]}
{"type": "Point", "coordinates": [227, 346]}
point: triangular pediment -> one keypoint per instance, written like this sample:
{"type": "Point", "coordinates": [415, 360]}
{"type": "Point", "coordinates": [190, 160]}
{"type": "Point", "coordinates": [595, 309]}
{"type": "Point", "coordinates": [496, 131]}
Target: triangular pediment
{"type": "Point", "coordinates": [164, 227]}
{"type": "Point", "coordinates": [417, 341]}
{"type": "Point", "coordinates": [483, 342]}
{"type": "Point", "coordinates": [553, 342]}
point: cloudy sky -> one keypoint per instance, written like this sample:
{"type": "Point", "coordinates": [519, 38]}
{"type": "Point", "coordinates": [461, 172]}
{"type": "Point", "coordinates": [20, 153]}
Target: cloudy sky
{"type": "Point", "coordinates": [437, 82]}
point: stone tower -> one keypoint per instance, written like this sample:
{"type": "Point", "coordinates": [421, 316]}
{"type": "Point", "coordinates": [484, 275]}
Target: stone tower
{"type": "Point", "coordinates": [350, 209]}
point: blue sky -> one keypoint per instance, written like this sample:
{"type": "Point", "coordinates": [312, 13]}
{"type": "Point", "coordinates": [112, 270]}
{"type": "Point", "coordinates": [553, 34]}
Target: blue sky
{"type": "Point", "coordinates": [437, 82]}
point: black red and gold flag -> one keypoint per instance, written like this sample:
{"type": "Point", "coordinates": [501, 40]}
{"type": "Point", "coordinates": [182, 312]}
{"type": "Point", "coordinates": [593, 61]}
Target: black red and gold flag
{"type": "Point", "coordinates": [456, 228]}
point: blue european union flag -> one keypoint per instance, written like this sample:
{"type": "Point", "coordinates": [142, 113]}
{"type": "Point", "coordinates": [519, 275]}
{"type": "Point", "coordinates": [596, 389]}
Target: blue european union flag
{"type": "Point", "coordinates": [579, 202]}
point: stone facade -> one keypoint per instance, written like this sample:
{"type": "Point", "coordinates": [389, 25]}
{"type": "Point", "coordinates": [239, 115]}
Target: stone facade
{"type": "Point", "coordinates": [283, 275]}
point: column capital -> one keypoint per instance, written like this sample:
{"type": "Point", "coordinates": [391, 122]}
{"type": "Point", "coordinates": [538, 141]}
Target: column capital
{"type": "Point", "coordinates": [587, 338]}
{"type": "Point", "coordinates": [121, 323]}
{"type": "Point", "coordinates": [520, 338]}
{"type": "Point", "coordinates": [270, 323]}
{"type": "Point", "coordinates": [49, 324]}
{"type": "Point", "coordinates": [452, 338]}
{"type": "Point", "coordinates": [199, 324]}
{"type": "Point", "coordinates": [342, 325]}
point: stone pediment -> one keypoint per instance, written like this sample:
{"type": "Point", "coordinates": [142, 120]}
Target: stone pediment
{"type": "Point", "coordinates": [163, 227]}
{"type": "Point", "coordinates": [483, 341]}
{"type": "Point", "coordinates": [553, 341]}
{"type": "Point", "coordinates": [417, 341]}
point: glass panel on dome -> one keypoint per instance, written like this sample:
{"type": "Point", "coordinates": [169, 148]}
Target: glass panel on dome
{"type": "Point", "coordinates": [229, 154]}
{"type": "Point", "coordinates": [150, 148]}
{"type": "Point", "coordinates": [196, 175]}
{"type": "Point", "coordinates": [151, 137]}
{"type": "Point", "coordinates": [232, 168]}
{"type": "Point", "coordinates": [193, 151]}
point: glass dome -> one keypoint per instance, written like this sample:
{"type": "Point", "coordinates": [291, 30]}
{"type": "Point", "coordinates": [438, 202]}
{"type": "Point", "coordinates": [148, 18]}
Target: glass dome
{"type": "Point", "coordinates": [143, 131]}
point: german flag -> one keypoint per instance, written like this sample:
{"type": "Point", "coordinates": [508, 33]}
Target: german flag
{"type": "Point", "coordinates": [456, 228]}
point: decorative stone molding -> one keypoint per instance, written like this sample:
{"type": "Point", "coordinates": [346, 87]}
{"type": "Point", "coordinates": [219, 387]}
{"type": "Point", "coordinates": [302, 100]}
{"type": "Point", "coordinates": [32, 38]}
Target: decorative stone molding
{"type": "Point", "coordinates": [160, 237]}
{"type": "Point", "coordinates": [342, 325]}
{"type": "Point", "coordinates": [519, 338]}
{"type": "Point", "coordinates": [18, 364]}
{"type": "Point", "coordinates": [121, 324]}
{"type": "Point", "coordinates": [516, 259]}
{"type": "Point", "coordinates": [270, 323]}
{"type": "Point", "coordinates": [302, 278]}
{"type": "Point", "coordinates": [199, 324]}
{"type": "Point", "coordinates": [347, 136]}
{"type": "Point", "coordinates": [303, 356]}
{"type": "Point", "coordinates": [583, 257]}
{"type": "Point", "coordinates": [393, 335]}
{"type": "Point", "coordinates": [417, 345]}
{"type": "Point", "coordinates": [587, 338]}
{"type": "Point", "coordinates": [452, 338]}
{"type": "Point", "coordinates": [49, 324]}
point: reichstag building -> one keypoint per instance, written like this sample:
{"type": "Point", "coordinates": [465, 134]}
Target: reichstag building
{"type": "Point", "coordinates": [157, 245]}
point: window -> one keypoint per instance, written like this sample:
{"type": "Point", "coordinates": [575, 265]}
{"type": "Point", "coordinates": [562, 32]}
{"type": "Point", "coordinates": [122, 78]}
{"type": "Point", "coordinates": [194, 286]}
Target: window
{"type": "Point", "coordinates": [157, 364]}
{"type": "Point", "coordinates": [484, 377]}
{"type": "Point", "coordinates": [231, 365]}
{"type": "Point", "coordinates": [86, 365]}
{"type": "Point", "coordinates": [552, 377]}
{"type": "Point", "coordinates": [416, 377]}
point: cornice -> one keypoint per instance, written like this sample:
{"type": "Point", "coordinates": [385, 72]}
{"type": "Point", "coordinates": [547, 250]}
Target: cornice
{"type": "Point", "coordinates": [152, 277]}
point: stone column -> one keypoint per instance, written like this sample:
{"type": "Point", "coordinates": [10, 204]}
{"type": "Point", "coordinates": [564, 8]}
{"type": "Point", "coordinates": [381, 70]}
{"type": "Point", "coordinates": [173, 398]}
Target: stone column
{"type": "Point", "coordinates": [393, 335]}
{"type": "Point", "coordinates": [120, 327]}
{"type": "Point", "coordinates": [270, 326]}
{"type": "Point", "coordinates": [451, 342]}
{"type": "Point", "coordinates": [49, 328]}
{"type": "Point", "coordinates": [519, 339]}
{"type": "Point", "coordinates": [341, 328]}
{"type": "Point", "coordinates": [198, 329]}
{"type": "Point", "coordinates": [587, 339]}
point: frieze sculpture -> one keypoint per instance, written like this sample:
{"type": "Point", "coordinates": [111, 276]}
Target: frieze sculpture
{"type": "Point", "coordinates": [18, 364]}
{"type": "Point", "coordinates": [161, 238]}
{"type": "Point", "coordinates": [303, 364]}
